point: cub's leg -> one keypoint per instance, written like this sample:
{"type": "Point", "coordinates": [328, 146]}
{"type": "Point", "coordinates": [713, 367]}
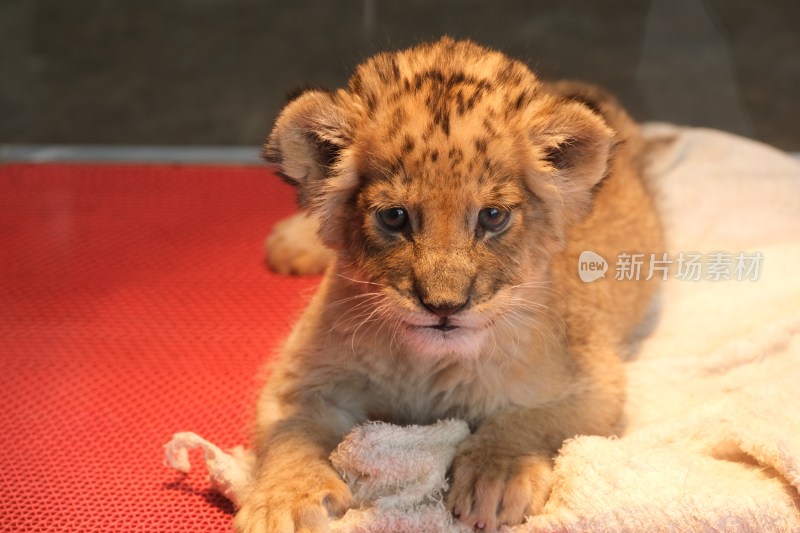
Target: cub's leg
{"type": "Point", "coordinates": [295, 488]}
{"type": "Point", "coordinates": [303, 412]}
{"type": "Point", "coordinates": [502, 473]}
{"type": "Point", "coordinates": [294, 247]}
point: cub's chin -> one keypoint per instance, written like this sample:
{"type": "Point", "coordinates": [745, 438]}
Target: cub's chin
{"type": "Point", "coordinates": [447, 341]}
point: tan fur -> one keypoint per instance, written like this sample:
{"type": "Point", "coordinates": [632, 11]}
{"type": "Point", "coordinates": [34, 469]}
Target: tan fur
{"type": "Point", "coordinates": [294, 248]}
{"type": "Point", "coordinates": [445, 130]}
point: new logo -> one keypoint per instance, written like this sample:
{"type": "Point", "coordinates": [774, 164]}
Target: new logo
{"type": "Point", "coordinates": [591, 266]}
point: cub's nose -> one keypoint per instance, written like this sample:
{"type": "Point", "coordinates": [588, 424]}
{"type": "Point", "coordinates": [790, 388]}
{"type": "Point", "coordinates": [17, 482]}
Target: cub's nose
{"type": "Point", "coordinates": [444, 309]}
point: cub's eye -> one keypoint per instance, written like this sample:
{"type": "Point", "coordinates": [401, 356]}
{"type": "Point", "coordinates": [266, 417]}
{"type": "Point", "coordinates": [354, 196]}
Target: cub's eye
{"type": "Point", "coordinates": [493, 218]}
{"type": "Point", "coordinates": [393, 218]}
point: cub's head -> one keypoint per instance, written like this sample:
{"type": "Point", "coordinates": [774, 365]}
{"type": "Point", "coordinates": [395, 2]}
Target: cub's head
{"type": "Point", "coordinates": [444, 175]}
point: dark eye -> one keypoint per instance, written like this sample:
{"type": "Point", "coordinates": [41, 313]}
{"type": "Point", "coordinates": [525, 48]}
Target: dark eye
{"type": "Point", "coordinates": [393, 218]}
{"type": "Point", "coordinates": [493, 218]}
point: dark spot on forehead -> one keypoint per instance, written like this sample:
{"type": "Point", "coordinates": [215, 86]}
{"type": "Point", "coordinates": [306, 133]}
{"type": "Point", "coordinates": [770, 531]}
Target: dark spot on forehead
{"type": "Point", "coordinates": [476, 96]}
{"type": "Point", "coordinates": [460, 106]}
{"type": "Point", "coordinates": [395, 69]}
{"type": "Point", "coordinates": [398, 117]}
{"type": "Point", "coordinates": [408, 145]}
{"type": "Point", "coordinates": [433, 75]}
{"type": "Point", "coordinates": [497, 188]}
{"type": "Point", "coordinates": [455, 155]}
{"type": "Point", "coordinates": [371, 101]}
{"type": "Point", "coordinates": [434, 155]}
{"type": "Point", "coordinates": [456, 78]}
{"type": "Point", "coordinates": [386, 66]}
{"type": "Point", "coordinates": [428, 133]}
{"type": "Point", "coordinates": [505, 73]}
{"type": "Point", "coordinates": [489, 128]}
{"type": "Point", "coordinates": [395, 97]}
{"type": "Point", "coordinates": [521, 100]}
{"type": "Point", "coordinates": [442, 119]}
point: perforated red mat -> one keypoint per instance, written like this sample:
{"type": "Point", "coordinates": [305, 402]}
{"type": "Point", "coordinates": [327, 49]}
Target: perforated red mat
{"type": "Point", "coordinates": [133, 304]}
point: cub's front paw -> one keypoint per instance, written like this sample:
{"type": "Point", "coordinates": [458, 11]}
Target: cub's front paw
{"type": "Point", "coordinates": [492, 487]}
{"type": "Point", "coordinates": [294, 247]}
{"type": "Point", "coordinates": [300, 504]}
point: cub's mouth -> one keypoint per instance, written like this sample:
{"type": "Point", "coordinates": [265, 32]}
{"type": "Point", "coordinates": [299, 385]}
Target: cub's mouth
{"type": "Point", "coordinates": [444, 338]}
{"type": "Point", "coordinates": [443, 327]}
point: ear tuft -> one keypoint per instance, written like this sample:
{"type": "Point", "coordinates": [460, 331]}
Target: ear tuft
{"type": "Point", "coordinates": [556, 155]}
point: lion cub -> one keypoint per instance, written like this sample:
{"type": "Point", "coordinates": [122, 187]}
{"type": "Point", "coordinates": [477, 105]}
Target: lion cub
{"type": "Point", "coordinates": [457, 192]}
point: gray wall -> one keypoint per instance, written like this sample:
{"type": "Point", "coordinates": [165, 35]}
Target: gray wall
{"type": "Point", "coordinates": [192, 72]}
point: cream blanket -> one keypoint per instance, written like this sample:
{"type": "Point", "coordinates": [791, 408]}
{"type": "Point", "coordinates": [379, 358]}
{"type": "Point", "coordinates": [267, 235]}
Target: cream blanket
{"type": "Point", "coordinates": [712, 441]}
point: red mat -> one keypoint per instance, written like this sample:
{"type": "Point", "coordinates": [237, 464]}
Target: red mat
{"type": "Point", "coordinates": [133, 304]}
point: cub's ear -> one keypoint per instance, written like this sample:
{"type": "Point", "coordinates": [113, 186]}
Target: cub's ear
{"type": "Point", "coordinates": [572, 145]}
{"type": "Point", "coordinates": [307, 142]}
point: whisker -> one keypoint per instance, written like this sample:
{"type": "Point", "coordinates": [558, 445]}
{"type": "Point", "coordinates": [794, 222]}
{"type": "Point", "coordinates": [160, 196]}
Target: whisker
{"type": "Point", "coordinates": [398, 323]}
{"type": "Point", "coordinates": [369, 317]}
{"type": "Point", "coordinates": [355, 312]}
{"type": "Point", "coordinates": [541, 309]}
{"type": "Point", "coordinates": [385, 315]}
{"type": "Point", "coordinates": [360, 281]}
{"type": "Point", "coordinates": [351, 298]}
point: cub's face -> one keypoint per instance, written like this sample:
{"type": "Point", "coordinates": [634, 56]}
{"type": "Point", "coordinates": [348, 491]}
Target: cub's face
{"type": "Point", "coordinates": [444, 176]}
{"type": "Point", "coordinates": [442, 226]}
